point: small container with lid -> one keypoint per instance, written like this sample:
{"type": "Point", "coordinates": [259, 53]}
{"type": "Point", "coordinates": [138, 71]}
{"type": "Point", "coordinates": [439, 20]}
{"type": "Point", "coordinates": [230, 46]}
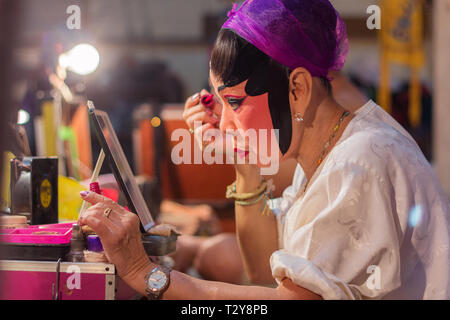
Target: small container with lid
{"type": "Point", "coordinates": [94, 243]}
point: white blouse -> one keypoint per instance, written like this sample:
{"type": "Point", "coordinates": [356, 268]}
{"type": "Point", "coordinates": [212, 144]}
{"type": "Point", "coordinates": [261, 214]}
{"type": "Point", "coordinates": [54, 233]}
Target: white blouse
{"type": "Point", "coordinates": [373, 222]}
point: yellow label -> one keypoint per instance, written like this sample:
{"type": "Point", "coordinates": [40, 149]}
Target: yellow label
{"type": "Point", "coordinates": [5, 197]}
{"type": "Point", "coordinates": [48, 117]}
{"type": "Point", "coordinates": [46, 193]}
{"type": "Point", "coordinates": [156, 122]}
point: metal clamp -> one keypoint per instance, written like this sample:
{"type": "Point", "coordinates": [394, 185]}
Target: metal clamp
{"type": "Point", "coordinates": [56, 293]}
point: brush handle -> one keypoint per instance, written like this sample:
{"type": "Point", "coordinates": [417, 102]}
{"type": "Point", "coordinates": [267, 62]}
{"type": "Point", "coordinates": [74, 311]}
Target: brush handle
{"type": "Point", "coordinates": [94, 178]}
{"type": "Point", "coordinates": [98, 166]}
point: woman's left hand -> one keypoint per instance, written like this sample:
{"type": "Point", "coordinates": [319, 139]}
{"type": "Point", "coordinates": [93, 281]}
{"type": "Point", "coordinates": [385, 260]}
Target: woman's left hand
{"type": "Point", "coordinates": [119, 233]}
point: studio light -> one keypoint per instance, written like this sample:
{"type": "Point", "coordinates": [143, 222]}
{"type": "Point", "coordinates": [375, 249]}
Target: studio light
{"type": "Point", "coordinates": [82, 59]}
{"type": "Point", "coordinates": [23, 117]}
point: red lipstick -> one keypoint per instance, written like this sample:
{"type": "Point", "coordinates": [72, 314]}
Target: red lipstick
{"type": "Point", "coordinates": [241, 153]}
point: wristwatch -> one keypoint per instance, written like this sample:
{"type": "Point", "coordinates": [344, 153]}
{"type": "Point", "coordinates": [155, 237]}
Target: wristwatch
{"type": "Point", "coordinates": [157, 281]}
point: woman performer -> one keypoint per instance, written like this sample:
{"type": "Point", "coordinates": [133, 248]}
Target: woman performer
{"type": "Point", "coordinates": [365, 216]}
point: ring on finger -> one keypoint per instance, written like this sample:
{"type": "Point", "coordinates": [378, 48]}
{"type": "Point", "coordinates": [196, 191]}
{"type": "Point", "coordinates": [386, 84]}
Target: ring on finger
{"type": "Point", "coordinates": [191, 130]}
{"type": "Point", "coordinates": [107, 212]}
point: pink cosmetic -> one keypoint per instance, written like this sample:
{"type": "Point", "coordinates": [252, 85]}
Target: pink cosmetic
{"type": "Point", "coordinates": [208, 102]}
{"type": "Point", "coordinates": [50, 234]}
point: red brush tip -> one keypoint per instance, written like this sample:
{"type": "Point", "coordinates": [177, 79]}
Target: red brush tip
{"type": "Point", "coordinates": [95, 187]}
{"type": "Point", "coordinates": [208, 100]}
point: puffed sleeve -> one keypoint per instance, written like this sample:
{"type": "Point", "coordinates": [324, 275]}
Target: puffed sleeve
{"type": "Point", "coordinates": [342, 238]}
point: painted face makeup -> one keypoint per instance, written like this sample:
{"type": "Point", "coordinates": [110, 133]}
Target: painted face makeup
{"type": "Point", "coordinates": [254, 74]}
{"type": "Point", "coordinates": [235, 101]}
{"type": "Point", "coordinates": [247, 123]}
{"type": "Point", "coordinates": [255, 99]}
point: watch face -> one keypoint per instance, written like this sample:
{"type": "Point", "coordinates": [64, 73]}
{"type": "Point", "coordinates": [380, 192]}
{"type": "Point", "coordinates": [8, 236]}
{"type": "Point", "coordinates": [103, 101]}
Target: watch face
{"type": "Point", "coordinates": [157, 280]}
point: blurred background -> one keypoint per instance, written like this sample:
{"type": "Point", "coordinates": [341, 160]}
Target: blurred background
{"type": "Point", "coordinates": [141, 59]}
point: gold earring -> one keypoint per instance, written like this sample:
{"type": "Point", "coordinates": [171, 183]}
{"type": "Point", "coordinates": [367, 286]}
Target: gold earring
{"type": "Point", "coordinates": [298, 117]}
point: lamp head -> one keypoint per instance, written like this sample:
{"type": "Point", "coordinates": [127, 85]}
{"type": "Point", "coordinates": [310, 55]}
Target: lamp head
{"type": "Point", "coordinates": [82, 59]}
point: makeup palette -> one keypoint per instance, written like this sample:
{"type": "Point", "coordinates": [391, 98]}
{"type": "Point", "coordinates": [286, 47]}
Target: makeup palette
{"type": "Point", "coordinates": [44, 242]}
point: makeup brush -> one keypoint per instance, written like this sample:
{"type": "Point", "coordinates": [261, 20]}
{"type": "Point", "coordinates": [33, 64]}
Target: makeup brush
{"type": "Point", "coordinates": [208, 102]}
{"type": "Point", "coordinates": [93, 184]}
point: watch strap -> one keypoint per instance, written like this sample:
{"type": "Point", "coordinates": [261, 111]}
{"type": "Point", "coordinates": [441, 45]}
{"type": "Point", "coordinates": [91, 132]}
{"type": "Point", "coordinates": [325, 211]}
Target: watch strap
{"type": "Point", "coordinates": [157, 295]}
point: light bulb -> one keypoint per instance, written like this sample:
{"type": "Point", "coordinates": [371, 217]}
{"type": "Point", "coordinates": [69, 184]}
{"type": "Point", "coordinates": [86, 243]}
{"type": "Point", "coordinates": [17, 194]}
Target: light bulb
{"type": "Point", "coordinates": [23, 117]}
{"type": "Point", "coordinates": [81, 59]}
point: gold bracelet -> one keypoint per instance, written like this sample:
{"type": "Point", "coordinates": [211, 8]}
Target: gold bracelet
{"type": "Point", "coordinates": [264, 197]}
{"type": "Point", "coordinates": [232, 194]}
{"type": "Point", "coordinates": [245, 203]}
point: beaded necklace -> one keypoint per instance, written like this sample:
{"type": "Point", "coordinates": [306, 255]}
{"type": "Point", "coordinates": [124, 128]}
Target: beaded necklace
{"type": "Point", "coordinates": [328, 143]}
{"type": "Point", "coordinates": [333, 134]}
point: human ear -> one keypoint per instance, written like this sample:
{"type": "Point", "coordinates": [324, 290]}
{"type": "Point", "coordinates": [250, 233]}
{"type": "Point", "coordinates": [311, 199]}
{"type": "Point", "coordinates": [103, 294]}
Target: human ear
{"type": "Point", "coordinates": [300, 89]}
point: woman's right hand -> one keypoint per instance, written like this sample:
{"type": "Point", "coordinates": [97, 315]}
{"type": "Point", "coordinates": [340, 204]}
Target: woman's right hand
{"type": "Point", "coordinates": [194, 111]}
{"type": "Point", "coordinates": [198, 117]}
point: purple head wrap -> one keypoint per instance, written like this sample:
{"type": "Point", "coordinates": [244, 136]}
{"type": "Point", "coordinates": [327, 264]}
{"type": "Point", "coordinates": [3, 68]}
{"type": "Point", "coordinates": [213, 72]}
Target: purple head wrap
{"type": "Point", "coordinates": [278, 32]}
